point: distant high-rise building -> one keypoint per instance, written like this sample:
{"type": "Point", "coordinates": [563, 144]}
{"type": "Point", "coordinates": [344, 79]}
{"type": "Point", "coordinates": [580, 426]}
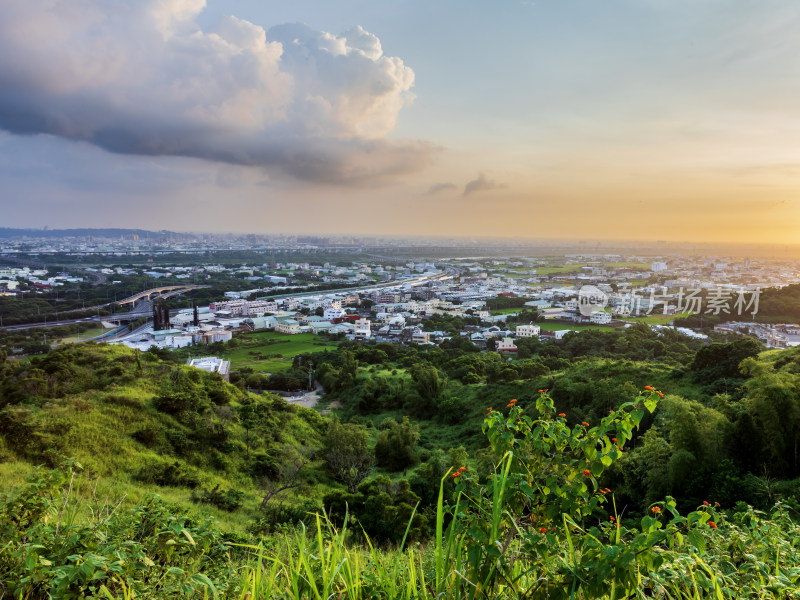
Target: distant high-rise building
{"type": "Point", "coordinates": [658, 266]}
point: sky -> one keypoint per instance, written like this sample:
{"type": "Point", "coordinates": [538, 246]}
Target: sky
{"type": "Point", "coordinates": [614, 119]}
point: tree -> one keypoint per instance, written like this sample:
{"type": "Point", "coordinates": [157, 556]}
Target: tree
{"type": "Point", "coordinates": [289, 474]}
{"type": "Point", "coordinates": [427, 380]}
{"type": "Point", "coordinates": [346, 451]}
{"type": "Point", "coordinates": [252, 415]}
{"type": "Point", "coordinates": [395, 448]}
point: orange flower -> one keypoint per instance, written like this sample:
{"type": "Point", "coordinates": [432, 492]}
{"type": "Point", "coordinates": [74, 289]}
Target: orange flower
{"type": "Point", "coordinates": [649, 388]}
{"type": "Point", "coordinates": [660, 395]}
{"type": "Point", "coordinates": [612, 518]}
{"type": "Point", "coordinates": [608, 490]}
{"type": "Point", "coordinates": [543, 530]}
{"type": "Point", "coordinates": [462, 469]}
{"type": "Point", "coordinates": [541, 391]}
{"type": "Point", "coordinates": [584, 423]}
{"type": "Point", "coordinates": [456, 474]}
{"type": "Point", "coordinates": [489, 409]}
{"type": "Point", "coordinates": [712, 524]}
{"type": "Point", "coordinates": [562, 415]}
{"type": "Point", "coordinates": [587, 472]}
{"type": "Point", "coordinates": [656, 509]}
{"type": "Point", "coordinates": [545, 389]}
{"type": "Point", "coordinates": [614, 440]}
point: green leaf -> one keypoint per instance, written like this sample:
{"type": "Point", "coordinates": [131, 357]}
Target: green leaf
{"type": "Point", "coordinates": [696, 539]}
{"type": "Point", "coordinates": [596, 468]}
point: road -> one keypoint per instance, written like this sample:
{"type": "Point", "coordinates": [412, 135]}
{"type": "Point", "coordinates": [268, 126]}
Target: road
{"type": "Point", "coordinates": [449, 273]}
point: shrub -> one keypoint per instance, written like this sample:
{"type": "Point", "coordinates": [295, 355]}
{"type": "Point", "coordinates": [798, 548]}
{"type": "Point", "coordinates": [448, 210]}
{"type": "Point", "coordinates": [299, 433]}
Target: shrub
{"type": "Point", "coordinates": [228, 500]}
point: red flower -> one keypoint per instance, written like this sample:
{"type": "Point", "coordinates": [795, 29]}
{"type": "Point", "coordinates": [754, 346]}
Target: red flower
{"type": "Point", "coordinates": [649, 387]}
{"type": "Point", "coordinates": [660, 395]}
{"type": "Point", "coordinates": [705, 503]}
{"type": "Point", "coordinates": [712, 524]}
{"type": "Point", "coordinates": [545, 389]}
{"type": "Point", "coordinates": [489, 409]}
{"type": "Point", "coordinates": [543, 530]}
{"type": "Point", "coordinates": [614, 440]}
{"type": "Point", "coordinates": [541, 391]}
{"type": "Point", "coordinates": [462, 469]}
{"type": "Point", "coordinates": [587, 472]}
{"type": "Point", "coordinates": [612, 518]}
{"type": "Point", "coordinates": [456, 474]}
{"type": "Point", "coordinates": [561, 415]}
{"type": "Point", "coordinates": [584, 423]}
{"type": "Point", "coordinates": [656, 509]}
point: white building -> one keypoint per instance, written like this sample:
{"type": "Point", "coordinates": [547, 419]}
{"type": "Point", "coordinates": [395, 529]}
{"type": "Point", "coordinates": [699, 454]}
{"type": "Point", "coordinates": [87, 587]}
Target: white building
{"type": "Point", "coordinates": [658, 266]}
{"type": "Point", "coordinates": [287, 326]}
{"type": "Point", "coordinates": [600, 317]}
{"type": "Point", "coordinates": [420, 337]}
{"type": "Point", "coordinates": [526, 331]}
{"type": "Point", "coordinates": [333, 313]}
{"type": "Point", "coordinates": [506, 345]}
{"type": "Point", "coordinates": [363, 329]}
{"type": "Point", "coordinates": [212, 364]}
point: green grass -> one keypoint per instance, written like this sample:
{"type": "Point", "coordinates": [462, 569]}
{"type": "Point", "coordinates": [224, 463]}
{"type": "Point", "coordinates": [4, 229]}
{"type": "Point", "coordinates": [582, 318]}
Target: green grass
{"type": "Point", "coordinates": [562, 270]}
{"type": "Point", "coordinates": [79, 337]}
{"type": "Point", "coordinates": [518, 275]}
{"type": "Point", "coordinates": [269, 342]}
{"type": "Point", "coordinates": [550, 326]}
{"type": "Point", "coordinates": [629, 265]}
{"type": "Point", "coordinates": [657, 319]}
{"type": "Point", "coordinates": [507, 311]}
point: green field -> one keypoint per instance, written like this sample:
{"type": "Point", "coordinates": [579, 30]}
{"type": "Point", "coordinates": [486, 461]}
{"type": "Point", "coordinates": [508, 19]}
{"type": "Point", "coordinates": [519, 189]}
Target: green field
{"type": "Point", "coordinates": [551, 326]}
{"type": "Point", "coordinates": [507, 311]}
{"type": "Point", "coordinates": [562, 270]}
{"type": "Point", "coordinates": [629, 265]}
{"type": "Point", "coordinates": [79, 337]}
{"type": "Point", "coordinates": [253, 347]}
{"type": "Point", "coordinates": [657, 319]}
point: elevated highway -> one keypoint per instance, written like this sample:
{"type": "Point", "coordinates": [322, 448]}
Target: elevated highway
{"type": "Point", "coordinates": [166, 291]}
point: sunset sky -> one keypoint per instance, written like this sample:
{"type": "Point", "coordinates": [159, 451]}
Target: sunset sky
{"type": "Point", "coordinates": [597, 119]}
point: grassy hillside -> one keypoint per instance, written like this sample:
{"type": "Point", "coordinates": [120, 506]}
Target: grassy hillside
{"type": "Point", "coordinates": [142, 425]}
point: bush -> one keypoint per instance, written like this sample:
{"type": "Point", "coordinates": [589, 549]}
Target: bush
{"type": "Point", "coordinates": [173, 474]}
{"type": "Point", "coordinates": [228, 500]}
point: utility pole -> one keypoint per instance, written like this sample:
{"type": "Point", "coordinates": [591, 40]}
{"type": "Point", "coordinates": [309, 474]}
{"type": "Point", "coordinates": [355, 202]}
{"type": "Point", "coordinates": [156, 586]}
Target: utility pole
{"type": "Point", "coordinates": [310, 375]}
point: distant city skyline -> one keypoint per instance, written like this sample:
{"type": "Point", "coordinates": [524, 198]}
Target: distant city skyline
{"type": "Point", "coordinates": [626, 119]}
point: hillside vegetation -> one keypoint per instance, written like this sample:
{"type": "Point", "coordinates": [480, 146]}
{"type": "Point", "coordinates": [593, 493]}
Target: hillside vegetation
{"type": "Point", "coordinates": [143, 425]}
{"type": "Point", "coordinates": [615, 465]}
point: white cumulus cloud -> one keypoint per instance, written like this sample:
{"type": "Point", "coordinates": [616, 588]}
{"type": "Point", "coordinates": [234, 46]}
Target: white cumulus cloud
{"type": "Point", "coordinates": [142, 77]}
